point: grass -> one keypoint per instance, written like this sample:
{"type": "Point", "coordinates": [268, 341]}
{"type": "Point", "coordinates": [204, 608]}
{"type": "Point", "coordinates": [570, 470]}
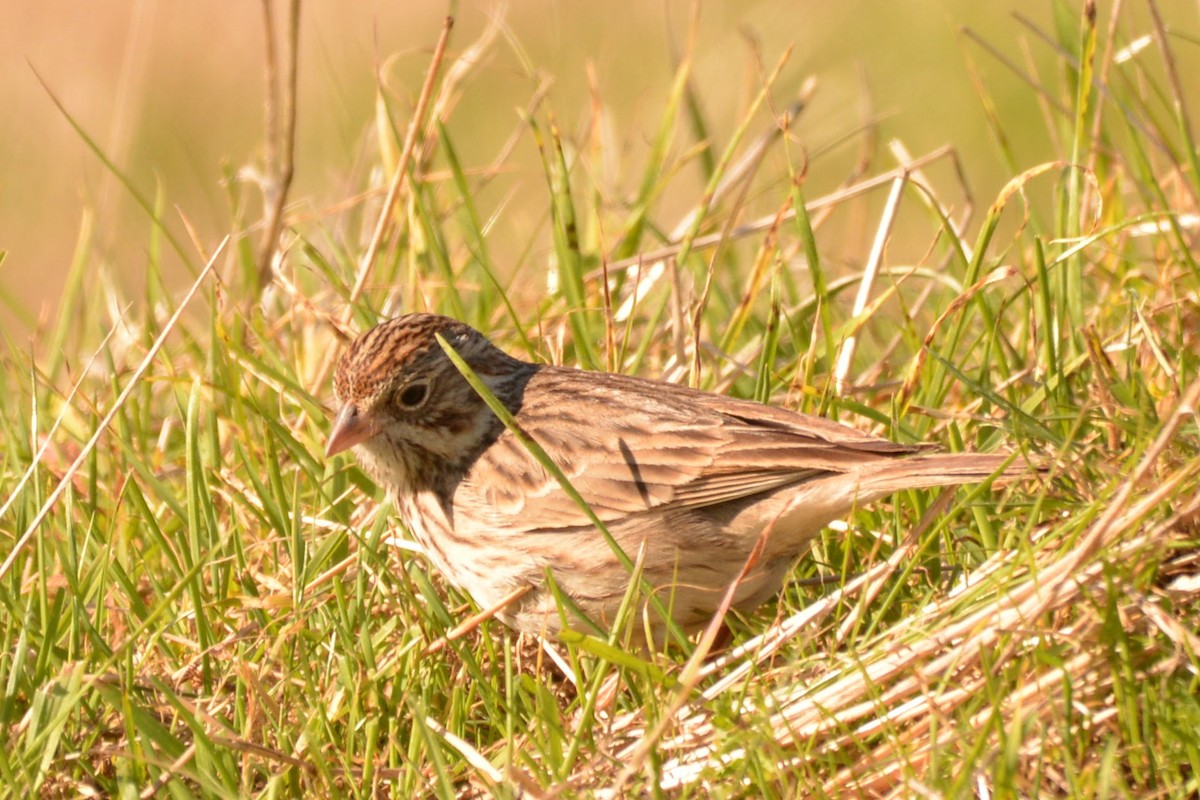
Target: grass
{"type": "Point", "coordinates": [194, 602]}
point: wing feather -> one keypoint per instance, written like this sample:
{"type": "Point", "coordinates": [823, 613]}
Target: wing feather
{"type": "Point", "coordinates": [704, 449]}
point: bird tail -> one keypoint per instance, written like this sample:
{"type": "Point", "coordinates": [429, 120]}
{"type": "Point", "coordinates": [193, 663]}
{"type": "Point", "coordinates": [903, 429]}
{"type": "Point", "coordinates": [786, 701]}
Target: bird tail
{"type": "Point", "coordinates": [882, 478]}
{"type": "Point", "coordinates": [810, 506]}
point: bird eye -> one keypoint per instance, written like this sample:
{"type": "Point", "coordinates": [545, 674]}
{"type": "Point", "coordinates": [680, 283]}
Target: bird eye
{"type": "Point", "coordinates": [414, 395]}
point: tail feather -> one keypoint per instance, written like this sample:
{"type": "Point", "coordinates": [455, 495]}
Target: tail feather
{"type": "Point", "coordinates": [882, 478]}
{"type": "Point", "coordinates": [801, 512]}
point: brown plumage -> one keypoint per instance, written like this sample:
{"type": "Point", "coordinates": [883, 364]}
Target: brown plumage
{"type": "Point", "coordinates": [691, 477]}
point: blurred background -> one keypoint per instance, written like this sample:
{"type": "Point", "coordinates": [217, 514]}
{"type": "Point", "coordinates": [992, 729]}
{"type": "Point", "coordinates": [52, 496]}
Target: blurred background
{"type": "Point", "coordinates": [172, 93]}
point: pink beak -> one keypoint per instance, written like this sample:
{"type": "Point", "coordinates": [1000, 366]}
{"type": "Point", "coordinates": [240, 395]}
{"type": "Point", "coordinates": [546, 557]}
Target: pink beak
{"type": "Point", "coordinates": [349, 428]}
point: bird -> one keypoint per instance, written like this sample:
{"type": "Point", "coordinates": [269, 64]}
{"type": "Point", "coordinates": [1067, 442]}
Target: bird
{"type": "Point", "coordinates": [699, 489]}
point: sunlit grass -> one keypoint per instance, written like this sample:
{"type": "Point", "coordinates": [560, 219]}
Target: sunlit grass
{"type": "Point", "coordinates": [199, 603]}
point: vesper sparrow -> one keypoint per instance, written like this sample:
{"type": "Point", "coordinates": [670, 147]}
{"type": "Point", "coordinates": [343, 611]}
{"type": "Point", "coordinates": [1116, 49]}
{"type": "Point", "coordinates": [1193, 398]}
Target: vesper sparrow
{"type": "Point", "coordinates": [692, 477]}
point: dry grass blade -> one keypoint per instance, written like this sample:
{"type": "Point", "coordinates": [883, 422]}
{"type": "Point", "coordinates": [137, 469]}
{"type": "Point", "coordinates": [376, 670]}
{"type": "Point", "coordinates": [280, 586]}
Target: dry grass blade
{"type": "Point", "coordinates": [102, 426]}
{"type": "Point", "coordinates": [280, 139]}
{"type": "Point", "coordinates": [48, 439]}
{"type": "Point", "coordinates": [411, 137]}
{"type": "Point", "coordinates": [867, 282]}
{"type": "Point", "coordinates": [766, 222]}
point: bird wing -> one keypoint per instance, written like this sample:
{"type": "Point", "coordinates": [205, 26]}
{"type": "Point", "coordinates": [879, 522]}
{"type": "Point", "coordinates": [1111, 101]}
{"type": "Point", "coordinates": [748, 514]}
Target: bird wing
{"type": "Point", "coordinates": [704, 449]}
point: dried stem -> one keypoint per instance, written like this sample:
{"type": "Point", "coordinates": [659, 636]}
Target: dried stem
{"type": "Point", "coordinates": [280, 141]}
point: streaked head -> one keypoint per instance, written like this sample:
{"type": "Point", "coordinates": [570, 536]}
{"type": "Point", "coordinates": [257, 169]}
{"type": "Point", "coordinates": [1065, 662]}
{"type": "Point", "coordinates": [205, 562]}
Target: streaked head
{"type": "Point", "coordinates": [400, 395]}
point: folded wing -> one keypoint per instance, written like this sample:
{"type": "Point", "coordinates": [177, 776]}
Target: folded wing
{"type": "Point", "coordinates": [628, 446]}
